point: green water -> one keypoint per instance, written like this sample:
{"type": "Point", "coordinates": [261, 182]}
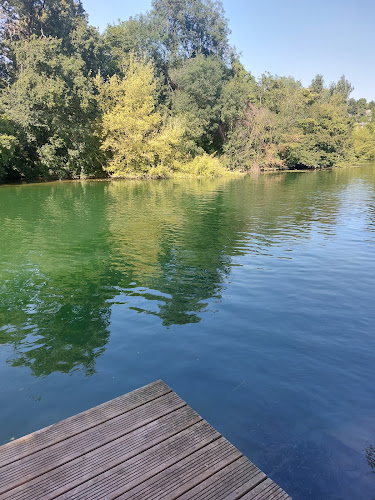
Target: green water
{"type": "Point", "coordinates": [253, 298]}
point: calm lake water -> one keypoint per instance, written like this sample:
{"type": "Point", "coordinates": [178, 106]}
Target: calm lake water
{"type": "Point", "coordinates": [253, 298]}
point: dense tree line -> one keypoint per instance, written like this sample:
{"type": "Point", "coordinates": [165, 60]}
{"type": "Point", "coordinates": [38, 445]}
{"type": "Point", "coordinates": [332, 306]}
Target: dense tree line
{"type": "Point", "coordinates": [364, 131]}
{"type": "Point", "coordinates": [160, 93]}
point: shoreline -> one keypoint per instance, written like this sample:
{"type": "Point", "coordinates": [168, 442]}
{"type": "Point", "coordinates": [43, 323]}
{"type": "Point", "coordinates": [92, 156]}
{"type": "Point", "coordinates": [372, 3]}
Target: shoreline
{"type": "Point", "coordinates": [174, 176]}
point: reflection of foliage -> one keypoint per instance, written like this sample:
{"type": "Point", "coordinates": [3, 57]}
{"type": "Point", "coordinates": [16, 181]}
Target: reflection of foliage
{"type": "Point", "coordinates": [64, 336]}
{"type": "Point", "coordinates": [176, 242]}
{"type": "Point", "coordinates": [177, 237]}
{"type": "Point", "coordinates": [370, 455]}
{"type": "Point", "coordinates": [70, 252]}
{"type": "Point", "coordinates": [53, 306]}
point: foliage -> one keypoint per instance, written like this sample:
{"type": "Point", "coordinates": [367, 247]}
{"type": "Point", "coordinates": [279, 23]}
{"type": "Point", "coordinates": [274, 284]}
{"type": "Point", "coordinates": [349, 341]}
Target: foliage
{"type": "Point", "coordinates": [42, 18]}
{"type": "Point", "coordinates": [251, 142]}
{"type": "Point", "coordinates": [364, 141]}
{"type": "Point", "coordinates": [52, 106]}
{"type": "Point", "coordinates": [343, 87]}
{"type": "Point", "coordinates": [198, 84]}
{"type": "Point", "coordinates": [323, 139]}
{"type": "Point", "coordinates": [248, 126]}
{"type": "Point", "coordinates": [154, 92]}
{"type": "Point", "coordinates": [86, 43]}
{"type": "Point", "coordinates": [8, 146]}
{"type": "Point", "coordinates": [237, 92]}
{"type": "Point", "coordinates": [185, 29]}
{"type": "Point", "coordinates": [317, 84]}
{"type": "Point", "coordinates": [129, 37]}
{"type": "Point", "coordinates": [288, 126]}
{"type": "Point", "coordinates": [361, 110]}
{"type": "Point", "coordinates": [203, 166]}
{"type": "Point", "coordinates": [48, 96]}
{"type": "Point", "coordinates": [134, 133]}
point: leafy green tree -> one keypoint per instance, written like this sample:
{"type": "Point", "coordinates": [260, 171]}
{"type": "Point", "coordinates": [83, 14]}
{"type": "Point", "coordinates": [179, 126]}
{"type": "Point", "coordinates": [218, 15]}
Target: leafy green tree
{"type": "Point", "coordinates": [342, 87]}
{"type": "Point", "coordinates": [86, 43]}
{"type": "Point", "coordinates": [65, 20]}
{"type": "Point", "coordinates": [42, 18]}
{"type": "Point", "coordinates": [7, 25]}
{"type": "Point", "coordinates": [187, 28]}
{"type": "Point", "coordinates": [266, 118]}
{"type": "Point", "coordinates": [135, 137]}
{"type": "Point", "coordinates": [170, 89]}
{"type": "Point", "coordinates": [237, 93]}
{"type": "Point", "coordinates": [52, 106]}
{"type": "Point", "coordinates": [9, 147]}
{"type": "Point", "coordinates": [324, 137]}
{"type": "Point", "coordinates": [251, 143]}
{"type": "Point", "coordinates": [352, 107]}
{"type": "Point", "coordinates": [50, 53]}
{"type": "Point", "coordinates": [289, 126]}
{"type": "Point", "coordinates": [196, 99]}
{"type": "Point", "coordinates": [359, 110]}
{"type": "Point", "coordinates": [364, 141]}
{"type": "Point", "coordinates": [276, 93]}
{"type": "Point", "coordinates": [134, 36]}
{"type": "Point", "coordinates": [317, 84]}
{"type": "Point", "coordinates": [249, 128]}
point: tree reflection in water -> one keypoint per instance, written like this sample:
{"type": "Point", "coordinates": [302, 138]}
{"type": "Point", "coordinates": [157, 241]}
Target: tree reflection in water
{"type": "Point", "coordinates": [73, 251]}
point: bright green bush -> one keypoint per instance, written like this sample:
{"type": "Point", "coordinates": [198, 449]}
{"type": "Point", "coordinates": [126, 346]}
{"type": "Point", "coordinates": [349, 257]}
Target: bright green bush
{"type": "Point", "coordinates": [204, 166]}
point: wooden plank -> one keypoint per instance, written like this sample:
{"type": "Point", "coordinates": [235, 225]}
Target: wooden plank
{"type": "Point", "coordinates": [50, 458]}
{"type": "Point", "coordinates": [128, 475]}
{"type": "Point", "coordinates": [86, 467]}
{"type": "Point", "coordinates": [145, 445]}
{"type": "Point", "coordinates": [229, 483]}
{"type": "Point", "coordinates": [267, 490]}
{"type": "Point", "coordinates": [184, 475]}
{"type": "Point", "coordinates": [55, 433]}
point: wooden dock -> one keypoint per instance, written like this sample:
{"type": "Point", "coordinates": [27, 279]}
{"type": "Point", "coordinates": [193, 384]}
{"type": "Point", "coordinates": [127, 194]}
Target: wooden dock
{"type": "Point", "coordinates": [145, 445]}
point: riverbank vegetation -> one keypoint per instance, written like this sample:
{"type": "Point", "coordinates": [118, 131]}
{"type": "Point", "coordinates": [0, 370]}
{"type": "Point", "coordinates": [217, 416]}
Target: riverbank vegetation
{"type": "Point", "coordinates": [159, 94]}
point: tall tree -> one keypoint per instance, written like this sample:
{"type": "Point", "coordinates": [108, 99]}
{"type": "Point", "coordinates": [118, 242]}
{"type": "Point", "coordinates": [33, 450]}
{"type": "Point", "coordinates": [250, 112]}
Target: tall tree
{"type": "Point", "coordinates": [52, 106]}
{"type": "Point", "coordinates": [198, 83]}
{"type": "Point", "coordinates": [41, 18]}
{"type": "Point", "coordinates": [364, 141]}
{"type": "Point", "coordinates": [187, 28]}
{"type": "Point", "coordinates": [237, 93]}
{"type": "Point", "coordinates": [342, 87]}
{"type": "Point", "coordinates": [323, 138]}
{"type": "Point", "coordinates": [9, 148]}
{"type": "Point", "coordinates": [50, 53]}
{"type": "Point", "coordinates": [64, 20]}
{"type": "Point", "coordinates": [133, 36]}
{"type": "Point", "coordinates": [135, 136]}
{"type": "Point", "coordinates": [317, 84]}
{"type": "Point", "coordinates": [252, 142]}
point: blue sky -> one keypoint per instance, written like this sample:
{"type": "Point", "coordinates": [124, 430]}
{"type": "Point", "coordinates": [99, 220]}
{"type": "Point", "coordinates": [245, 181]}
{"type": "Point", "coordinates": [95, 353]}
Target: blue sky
{"type": "Point", "coordinates": [287, 37]}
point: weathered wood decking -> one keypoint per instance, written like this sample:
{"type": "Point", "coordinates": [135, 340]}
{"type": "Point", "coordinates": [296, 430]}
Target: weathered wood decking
{"type": "Point", "coordinates": [145, 445]}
